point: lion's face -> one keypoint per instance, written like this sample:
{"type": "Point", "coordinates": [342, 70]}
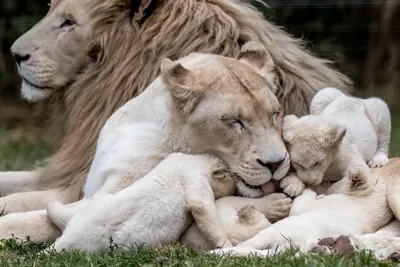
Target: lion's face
{"type": "Point", "coordinates": [312, 143]}
{"type": "Point", "coordinates": [230, 111]}
{"type": "Point", "coordinates": [53, 52]}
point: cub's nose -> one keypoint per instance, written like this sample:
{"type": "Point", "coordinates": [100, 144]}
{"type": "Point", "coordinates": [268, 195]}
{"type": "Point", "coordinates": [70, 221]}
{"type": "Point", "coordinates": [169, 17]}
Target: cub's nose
{"type": "Point", "coordinates": [271, 165]}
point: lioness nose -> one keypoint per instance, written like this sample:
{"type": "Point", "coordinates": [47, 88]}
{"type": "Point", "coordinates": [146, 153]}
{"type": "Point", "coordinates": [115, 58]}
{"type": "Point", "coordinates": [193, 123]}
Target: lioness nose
{"type": "Point", "coordinates": [19, 58]}
{"type": "Point", "coordinates": [271, 165]}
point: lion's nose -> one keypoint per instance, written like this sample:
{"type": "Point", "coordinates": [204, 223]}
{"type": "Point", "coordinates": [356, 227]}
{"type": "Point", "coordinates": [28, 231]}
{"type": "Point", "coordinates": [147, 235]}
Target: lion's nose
{"type": "Point", "coordinates": [271, 165]}
{"type": "Point", "coordinates": [19, 58]}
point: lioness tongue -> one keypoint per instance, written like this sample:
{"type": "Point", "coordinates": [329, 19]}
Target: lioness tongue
{"type": "Point", "coordinates": [268, 188]}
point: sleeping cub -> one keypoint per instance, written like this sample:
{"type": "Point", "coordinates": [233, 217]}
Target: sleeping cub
{"type": "Point", "coordinates": [155, 210]}
{"type": "Point", "coordinates": [341, 132]}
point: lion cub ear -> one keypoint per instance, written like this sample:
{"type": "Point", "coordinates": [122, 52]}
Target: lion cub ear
{"type": "Point", "coordinates": [257, 56]}
{"type": "Point", "coordinates": [333, 135]}
{"type": "Point", "coordinates": [288, 128]}
{"type": "Point", "coordinates": [180, 83]}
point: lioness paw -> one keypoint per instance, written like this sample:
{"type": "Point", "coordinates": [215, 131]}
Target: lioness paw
{"type": "Point", "coordinates": [292, 185]}
{"type": "Point", "coordinates": [379, 160]}
{"type": "Point", "coordinates": [277, 206]}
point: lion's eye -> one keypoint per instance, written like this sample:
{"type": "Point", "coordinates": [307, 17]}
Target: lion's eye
{"type": "Point", "coordinates": [317, 163]}
{"type": "Point", "coordinates": [239, 123]}
{"type": "Point", "coordinates": [67, 23]}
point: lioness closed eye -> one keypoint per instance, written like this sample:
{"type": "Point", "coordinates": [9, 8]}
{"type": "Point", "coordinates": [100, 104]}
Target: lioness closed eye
{"type": "Point", "coordinates": [342, 132]}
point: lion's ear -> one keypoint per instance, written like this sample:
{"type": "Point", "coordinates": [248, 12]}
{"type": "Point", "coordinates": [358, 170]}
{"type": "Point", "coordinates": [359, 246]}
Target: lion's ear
{"type": "Point", "coordinates": [334, 134]}
{"type": "Point", "coordinates": [181, 85]}
{"type": "Point", "coordinates": [288, 128]}
{"type": "Point", "coordinates": [258, 57]}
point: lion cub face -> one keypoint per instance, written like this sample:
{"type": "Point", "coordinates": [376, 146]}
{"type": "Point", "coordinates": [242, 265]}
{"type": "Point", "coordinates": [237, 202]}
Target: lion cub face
{"type": "Point", "coordinates": [228, 110]}
{"type": "Point", "coordinates": [312, 144]}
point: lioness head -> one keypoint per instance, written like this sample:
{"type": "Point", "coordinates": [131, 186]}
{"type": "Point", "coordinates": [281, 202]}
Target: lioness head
{"type": "Point", "coordinates": [228, 110]}
{"type": "Point", "coordinates": [53, 52]}
{"type": "Point", "coordinates": [312, 143]}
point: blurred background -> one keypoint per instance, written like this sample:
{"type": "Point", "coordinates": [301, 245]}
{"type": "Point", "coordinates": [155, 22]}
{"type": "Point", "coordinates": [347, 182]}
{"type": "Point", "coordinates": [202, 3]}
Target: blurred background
{"type": "Point", "coordinates": [362, 37]}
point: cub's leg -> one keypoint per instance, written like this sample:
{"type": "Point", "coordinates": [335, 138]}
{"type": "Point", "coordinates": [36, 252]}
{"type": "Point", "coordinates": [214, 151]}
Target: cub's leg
{"type": "Point", "coordinates": [207, 219]}
{"type": "Point", "coordinates": [323, 98]}
{"type": "Point", "coordinates": [239, 226]}
{"type": "Point", "coordinates": [61, 214]}
{"type": "Point", "coordinates": [379, 114]}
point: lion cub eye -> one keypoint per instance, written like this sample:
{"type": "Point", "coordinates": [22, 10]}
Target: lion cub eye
{"type": "Point", "coordinates": [316, 164]}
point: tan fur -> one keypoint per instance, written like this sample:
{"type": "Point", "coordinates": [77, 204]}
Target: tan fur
{"type": "Point", "coordinates": [130, 58]}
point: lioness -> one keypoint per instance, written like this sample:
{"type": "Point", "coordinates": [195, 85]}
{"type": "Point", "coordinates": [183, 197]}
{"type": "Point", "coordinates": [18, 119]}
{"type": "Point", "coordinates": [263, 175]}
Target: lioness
{"type": "Point", "coordinates": [153, 211]}
{"type": "Point", "coordinates": [342, 132]}
{"type": "Point", "coordinates": [202, 103]}
{"type": "Point", "coordinates": [360, 208]}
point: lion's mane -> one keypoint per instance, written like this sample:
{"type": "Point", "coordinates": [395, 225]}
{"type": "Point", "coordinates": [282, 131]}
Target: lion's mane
{"type": "Point", "coordinates": [128, 57]}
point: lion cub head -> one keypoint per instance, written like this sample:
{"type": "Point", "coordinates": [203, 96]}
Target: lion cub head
{"type": "Point", "coordinates": [228, 109]}
{"type": "Point", "coordinates": [312, 144]}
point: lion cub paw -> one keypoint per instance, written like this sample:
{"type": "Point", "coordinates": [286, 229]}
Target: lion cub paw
{"type": "Point", "coordinates": [277, 206]}
{"type": "Point", "coordinates": [292, 185]}
{"type": "Point", "coordinates": [379, 160]}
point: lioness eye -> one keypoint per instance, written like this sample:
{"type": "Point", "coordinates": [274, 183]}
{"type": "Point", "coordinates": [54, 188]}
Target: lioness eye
{"type": "Point", "coordinates": [317, 163]}
{"type": "Point", "coordinates": [67, 23]}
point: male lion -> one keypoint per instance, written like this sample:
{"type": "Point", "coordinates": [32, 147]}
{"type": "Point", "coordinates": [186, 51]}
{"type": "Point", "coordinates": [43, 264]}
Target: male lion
{"type": "Point", "coordinates": [88, 58]}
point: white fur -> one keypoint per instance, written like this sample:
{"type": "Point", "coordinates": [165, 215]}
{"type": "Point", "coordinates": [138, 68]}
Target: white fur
{"type": "Point", "coordinates": [33, 94]}
{"type": "Point", "coordinates": [242, 218]}
{"type": "Point", "coordinates": [176, 114]}
{"type": "Point", "coordinates": [154, 210]}
{"type": "Point", "coordinates": [353, 212]}
{"type": "Point", "coordinates": [319, 138]}
{"type": "Point", "coordinates": [366, 120]}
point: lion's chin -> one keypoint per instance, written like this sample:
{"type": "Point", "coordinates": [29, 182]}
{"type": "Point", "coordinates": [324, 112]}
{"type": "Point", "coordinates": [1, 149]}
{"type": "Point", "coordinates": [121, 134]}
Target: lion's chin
{"type": "Point", "coordinates": [32, 93]}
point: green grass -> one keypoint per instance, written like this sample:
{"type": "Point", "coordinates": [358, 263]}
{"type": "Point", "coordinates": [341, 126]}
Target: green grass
{"type": "Point", "coordinates": [17, 254]}
{"type": "Point", "coordinates": [23, 148]}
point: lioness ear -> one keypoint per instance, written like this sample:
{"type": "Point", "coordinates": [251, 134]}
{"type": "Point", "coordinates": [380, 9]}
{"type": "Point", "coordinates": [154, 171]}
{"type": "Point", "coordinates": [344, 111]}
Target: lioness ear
{"type": "Point", "coordinates": [334, 135]}
{"type": "Point", "coordinates": [180, 83]}
{"type": "Point", "coordinates": [258, 57]}
{"type": "Point", "coordinates": [288, 128]}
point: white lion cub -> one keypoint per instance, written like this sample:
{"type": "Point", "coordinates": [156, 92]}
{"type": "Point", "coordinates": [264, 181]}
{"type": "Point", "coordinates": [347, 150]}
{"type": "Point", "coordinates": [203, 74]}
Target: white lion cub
{"type": "Point", "coordinates": [341, 132]}
{"type": "Point", "coordinates": [359, 208]}
{"type": "Point", "coordinates": [155, 210]}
